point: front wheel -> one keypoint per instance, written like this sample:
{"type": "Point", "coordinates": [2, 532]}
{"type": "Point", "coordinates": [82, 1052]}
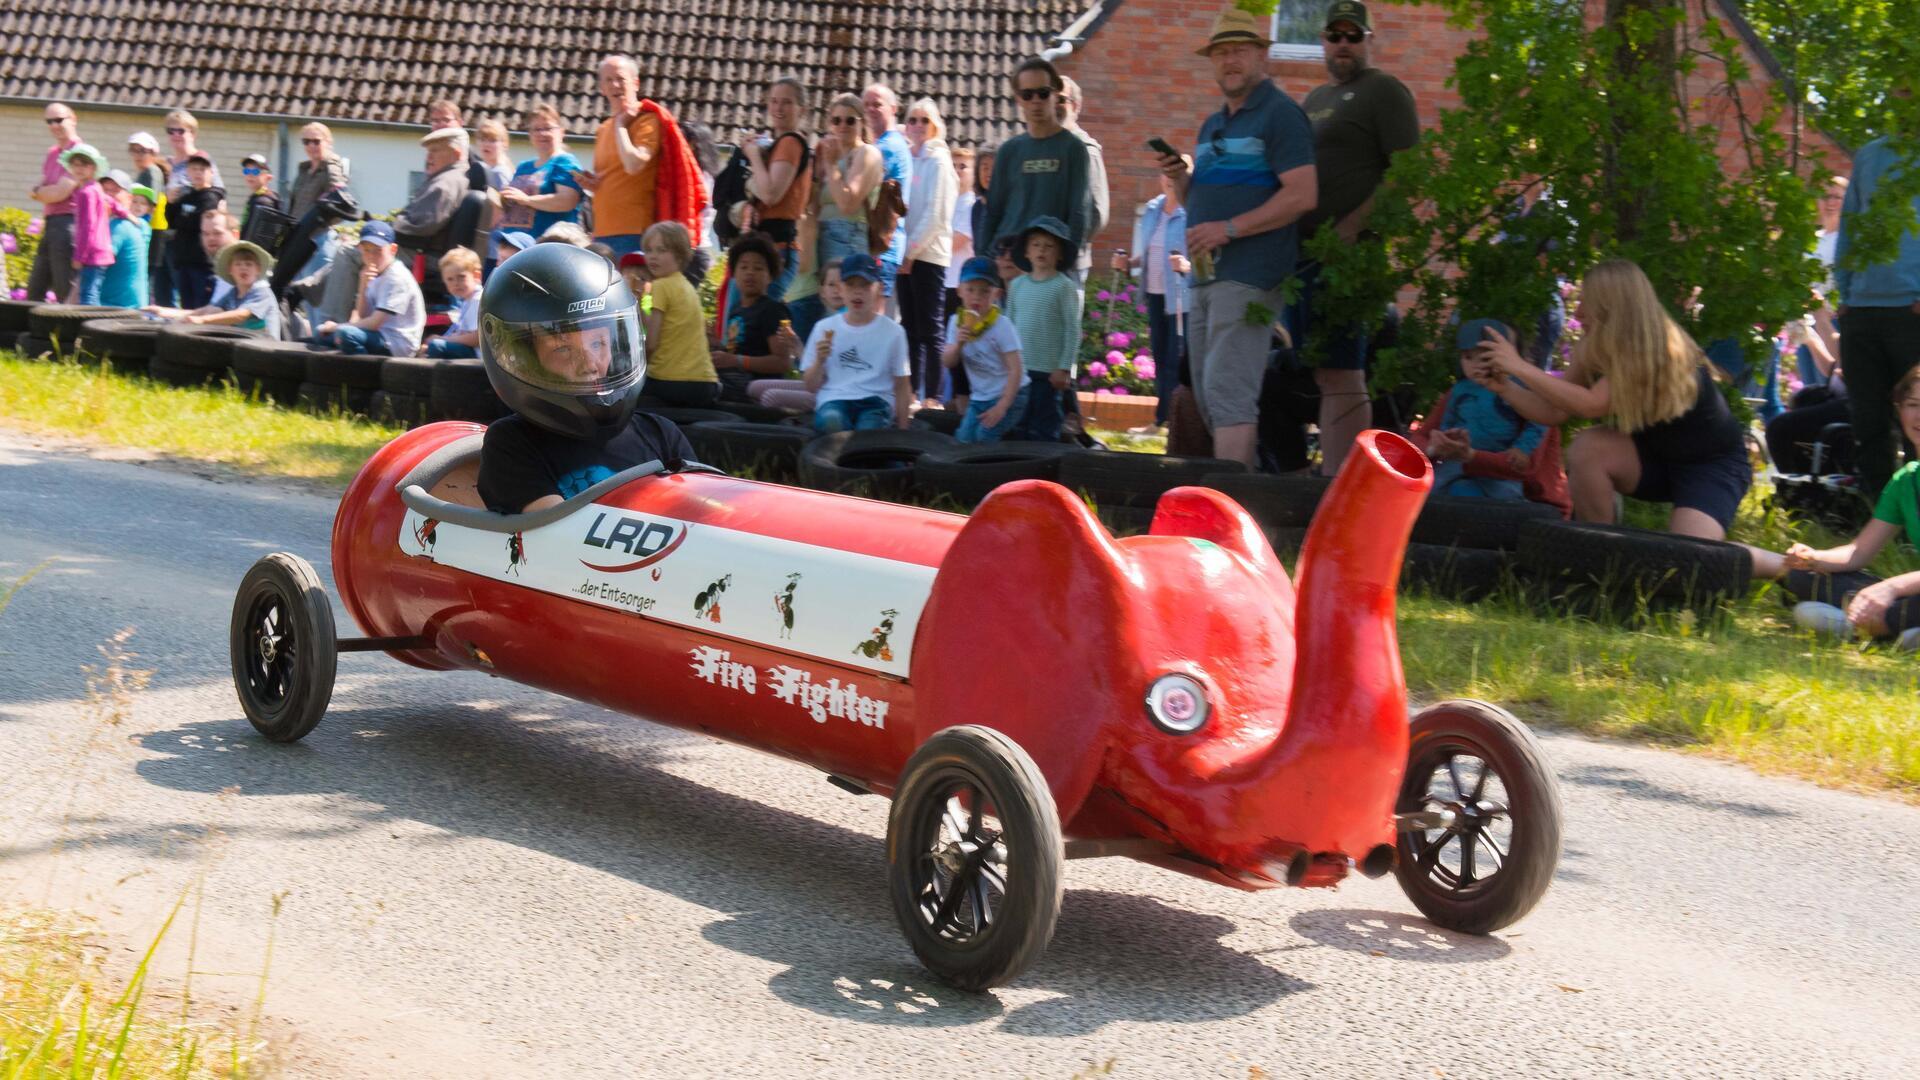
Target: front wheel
{"type": "Point", "coordinates": [1480, 814]}
{"type": "Point", "coordinates": [973, 857]}
{"type": "Point", "coordinates": [282, 647]}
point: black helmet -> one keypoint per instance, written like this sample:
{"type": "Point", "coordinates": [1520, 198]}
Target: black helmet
{"type": "Point", "coordinates": [561, 340]}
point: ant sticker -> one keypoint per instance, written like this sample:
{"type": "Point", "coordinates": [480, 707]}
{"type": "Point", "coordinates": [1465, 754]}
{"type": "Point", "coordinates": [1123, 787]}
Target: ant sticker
{"type": "Point", "coordinates": [516, 553]}
{"type": "Point", "coordinates": [707, 604]}
{"type": "Point", "coordinates": [783, 603]}
{"type": "Point", "coordinates": [423, 534]}
{"type": "Point", "coordinates": [877, 646]}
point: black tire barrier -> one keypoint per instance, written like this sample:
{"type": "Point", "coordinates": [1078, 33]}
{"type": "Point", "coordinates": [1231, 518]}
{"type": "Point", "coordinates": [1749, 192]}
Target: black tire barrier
{"type": "Point", "coordinates": [324, 398]}
{"type": "Point", "coordinates": [753, 414]}
{"type": "Point", "coordinates": [876, 464]}
{"type": "Point", "coordinates": [460, 391]}
{"type": "Point", "coordinates": [1276, 502]}
{"type": "Point", "coordinates": [944, 421]}
{"type": "Point", "coordinates": [1118, 478]}
{"type": "Point", "coordinates": [164, 370]}
{"type": "Point", "coordinates": [126, 344]}
{"type": "Point", "coordinates": [683, 416]}
{"type": "Point", "coordinates": [1455, 573]}
{"type": "Point", "coordinates": [405, 409]}
{"type": "Point", "coordinates": [33, 347]}
{"type": "Point", "coordinates": [1479, 524]}
{"type": "Point", "coordinates": [209, 348]}
{"type": "Point", "coordinates": [61, 322]}
{"type": "Point", "coordinates": [1124, 520]}
{"type": "Point", "coordinates": [760, 451]}
{"type": "Point", "coordinates": [13, 316]}
{"type": "Point", "coordinates": [409, 375]}
{"type": "Point", "coordinates": [261, 388]}
{"type": "Point", "coordinates": [267, 358]}
{"type": "Point", "coordinates": [1626, 565]}
{"type": "Point", "coordinates": [969, 472]}
{"type": "Point", "coordinates": [10, 338]}
{"type": "Point", "coordinates": [356, 371]}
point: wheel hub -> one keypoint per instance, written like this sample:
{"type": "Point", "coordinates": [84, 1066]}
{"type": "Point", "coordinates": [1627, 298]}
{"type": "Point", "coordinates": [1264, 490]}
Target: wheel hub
{"type": "Point", "coordinates": [269, 648]}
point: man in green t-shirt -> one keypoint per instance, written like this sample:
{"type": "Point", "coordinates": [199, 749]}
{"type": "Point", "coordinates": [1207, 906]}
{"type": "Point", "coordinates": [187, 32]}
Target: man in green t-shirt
{"type": "Point", "coordinates": [1360, 120]}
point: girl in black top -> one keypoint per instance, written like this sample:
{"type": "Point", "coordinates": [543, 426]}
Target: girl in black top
{"type": "Point", "coordinates": [1671, 436]}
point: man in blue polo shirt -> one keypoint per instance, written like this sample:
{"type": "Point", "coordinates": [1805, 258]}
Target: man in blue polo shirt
{"type": "Point", "coordinates": [1250, 179]}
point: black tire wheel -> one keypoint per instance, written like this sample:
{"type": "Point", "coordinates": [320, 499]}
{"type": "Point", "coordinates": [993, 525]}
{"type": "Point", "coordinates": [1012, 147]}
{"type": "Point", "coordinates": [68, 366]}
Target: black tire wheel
{"type": "Point", "coordinates": [969, 472]}
{"type": "Point", "coordinates": [460, 391]}
{"type": "Point", "coordinates": [126, 344]}
{"type": "Point", "coordinates": [1456, 573]}
{"type": "Point", "coordinates": [760, 451]}
{"type": "Point", "coordinates": [973, 857]}
{"type": "Point", "coordinates": [405, 409]}
{"type": "Point", "coordinates": [751, 413]}
{"type": "Point", "coordinates": [876, 464]}
{"type": "Point", "coordinates": [33, 347]}
{"type": "Point", "coordinates": [411, 375]}
{"type": "Point", "coordinates": [1493, 863]}
{"type": "Point", "coordinates": [1117, 478]}
{"type": "Point", "coordinates": [1629, 563]}
{"type": "Point", "coordinates": [944, 421]}
{"type": "Point", "coordinates": [166, 371]}
{"type": "Point", "coordinates": [282, 646]}
{"type": "Point", "coordinates": [267, 391]}
{"type": "Point", "coordinates": [1276, 502]}
{"type": "Point", "coordinates": [358, 371]}
{"type": "Point", "coordinates": [209, 348]}
{"type": "Point", "coordinates": [61, 323]}
{"type": "Point", "coordinates": [324, 399]}
{"type": "Point", "coordinates": [13, 316]}
{"type": "Point", "coordinates": [1483, 524]}
{"type": "Point", "coordinates": [267, 358]}
{"type": "Point", "coordinates": [687, 417]}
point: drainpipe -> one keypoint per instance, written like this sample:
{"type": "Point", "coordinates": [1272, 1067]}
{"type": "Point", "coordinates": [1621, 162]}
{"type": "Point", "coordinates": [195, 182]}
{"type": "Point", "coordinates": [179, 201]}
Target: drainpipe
{"type": "Point", "coordinates": [280, 164]}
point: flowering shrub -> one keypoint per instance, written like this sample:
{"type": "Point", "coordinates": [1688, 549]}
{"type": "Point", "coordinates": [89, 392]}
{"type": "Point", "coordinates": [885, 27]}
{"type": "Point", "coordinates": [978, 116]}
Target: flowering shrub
{"type": "Point", "coordinates": [19, 239]}
{"type": "Point", "coordinates": [1114, 354]}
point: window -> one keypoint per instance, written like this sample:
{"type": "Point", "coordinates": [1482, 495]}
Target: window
{"type": "Point", "coordinates": [1296, 30]}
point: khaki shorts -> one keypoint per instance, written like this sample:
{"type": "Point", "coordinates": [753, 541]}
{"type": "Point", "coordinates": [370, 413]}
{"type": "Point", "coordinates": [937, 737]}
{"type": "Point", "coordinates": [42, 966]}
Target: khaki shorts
{"type": "Point", "coordinates": [1228, 347]}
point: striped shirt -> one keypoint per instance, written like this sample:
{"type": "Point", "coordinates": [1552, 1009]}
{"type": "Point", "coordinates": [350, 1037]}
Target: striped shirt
{"type": "Point", "coordinates": [1236, 167]}
{"type": "Point", "coordinates": [1047, 314]}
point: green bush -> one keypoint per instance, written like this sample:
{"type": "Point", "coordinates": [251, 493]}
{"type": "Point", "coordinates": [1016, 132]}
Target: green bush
{"type": "Point", "coordinates": [19, 224]}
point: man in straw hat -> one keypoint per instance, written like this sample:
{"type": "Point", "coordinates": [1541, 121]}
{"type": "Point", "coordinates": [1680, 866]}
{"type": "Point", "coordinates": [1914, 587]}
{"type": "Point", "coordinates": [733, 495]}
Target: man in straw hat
{"type": "Point", "coordinates": [1250, 178]}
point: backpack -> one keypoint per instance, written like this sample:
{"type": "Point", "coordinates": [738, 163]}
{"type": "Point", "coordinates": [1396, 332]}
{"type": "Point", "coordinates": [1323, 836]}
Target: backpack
{"type": "Point", "coordinates": [729, 187]}
{"type": "Point", "coordinates": [889, 206]}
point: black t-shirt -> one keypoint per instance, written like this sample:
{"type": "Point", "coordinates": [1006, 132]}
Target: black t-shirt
{"type": "Point", "coordinates": [268, 198]}
{"type": "Point", "coordinates": [183, 222]}
{"type": "Point", "coordinates": [1357, 127]}
{"type": "Point", "coordinates": [747, 334]}
{"type": "Point", "coordinates": [1704, 432]}
{"type": "Point", "coordinates": [522, 461]}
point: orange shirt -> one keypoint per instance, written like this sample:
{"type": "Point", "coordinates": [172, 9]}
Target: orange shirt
{"type": "Point", "coordinates": [623, 202]}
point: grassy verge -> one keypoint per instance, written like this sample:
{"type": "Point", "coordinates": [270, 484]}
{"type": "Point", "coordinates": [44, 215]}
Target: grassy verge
{"type": "Point", "coordinates": [216, 424]}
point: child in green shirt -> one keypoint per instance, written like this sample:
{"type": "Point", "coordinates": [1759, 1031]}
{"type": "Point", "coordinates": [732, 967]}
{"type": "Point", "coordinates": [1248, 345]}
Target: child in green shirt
{"type": "Point", "coordinates": [1044, 305]}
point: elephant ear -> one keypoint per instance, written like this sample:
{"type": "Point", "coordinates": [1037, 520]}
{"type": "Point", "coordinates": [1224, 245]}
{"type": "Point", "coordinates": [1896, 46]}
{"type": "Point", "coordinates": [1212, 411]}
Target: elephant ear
{"type": "Point", "coordinates": [1206, 514]}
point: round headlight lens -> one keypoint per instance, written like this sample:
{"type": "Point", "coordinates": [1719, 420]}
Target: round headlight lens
{"type": "Point", "coordinates": [1177, 703]}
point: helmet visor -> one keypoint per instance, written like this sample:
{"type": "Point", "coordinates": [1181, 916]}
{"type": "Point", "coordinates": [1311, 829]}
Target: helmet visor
{"type": "Point", "coordinates": [594, 354]}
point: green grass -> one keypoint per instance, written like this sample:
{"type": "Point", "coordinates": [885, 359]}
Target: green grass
{"type": "Point", "coordinates": [216, 424]}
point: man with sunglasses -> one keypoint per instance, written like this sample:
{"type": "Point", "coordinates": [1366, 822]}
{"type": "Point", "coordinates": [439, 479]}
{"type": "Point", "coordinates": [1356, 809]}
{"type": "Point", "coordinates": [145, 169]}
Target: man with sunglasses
{"type": "Point", "coordinates": [1046, 172]}
{"type": "Point", "coordinates": [1249, 180]}
{"type": "Point", "coordinates": [1360, 120]}
{"type": "Point", "coordinates": [53, 260]}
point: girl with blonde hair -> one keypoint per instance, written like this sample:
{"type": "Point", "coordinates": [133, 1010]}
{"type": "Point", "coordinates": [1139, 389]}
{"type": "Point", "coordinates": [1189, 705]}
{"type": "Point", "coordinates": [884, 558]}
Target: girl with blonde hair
{"type": "Point", "coordinates": [921, 286]}
{"type": "Point", "coordinates": [1669, 435]}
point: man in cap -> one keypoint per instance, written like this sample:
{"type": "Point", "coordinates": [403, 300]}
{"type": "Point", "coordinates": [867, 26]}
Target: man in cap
{"type": "Point", "coordinates": [444, 114]}
{"type": "Point", "coordinates": [1360, 120]}
{"type": "Point", "coordinates": [446, 185]}
{"type": "Point", "coordinates": [1250, 179]}
{"type": "Point", "coordinates": [259, 177]}
{"type": "Point", "coordinates": [53, 259]}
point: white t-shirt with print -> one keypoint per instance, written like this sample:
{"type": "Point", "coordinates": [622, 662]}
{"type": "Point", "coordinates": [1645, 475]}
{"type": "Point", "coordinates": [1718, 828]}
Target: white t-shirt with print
{"type": "Point", "coordinates": [466, 315]}
{"type": "Point", "coordinates": [863, 360]}
{"type": "Point", "coordinates": [396, 293]}
{"type": "Point", "coordinates": [982, 357]}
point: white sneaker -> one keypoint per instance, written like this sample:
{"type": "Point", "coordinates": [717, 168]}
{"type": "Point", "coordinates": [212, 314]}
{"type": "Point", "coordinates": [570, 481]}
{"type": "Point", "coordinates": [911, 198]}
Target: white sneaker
{"type": "Point", "coordinates": [1909, 641]}
{"type": "Point", "coordinates": [1823, 619]}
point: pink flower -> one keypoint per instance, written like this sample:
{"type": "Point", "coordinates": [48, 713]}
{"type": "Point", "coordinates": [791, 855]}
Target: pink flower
{"type": "Point", "coordinates": [1141, 308]}
{"type": "Point", "coordinates": [1144, 367]}
{"type": "Point", "coordinates": [19, 294]}
{"type": "Point", "coordinates": [1119, 339]}
{"type": "Point", "coordinates": [9, 243]}
{"type": "Point", "coordinates": [1103, 295]}
{"type": "Point", "coordinates": [1115, 358]}
{"type": "Point", "coordinates": [1097, 369]}
{"type": "Point", "coordinates": [34, 226]}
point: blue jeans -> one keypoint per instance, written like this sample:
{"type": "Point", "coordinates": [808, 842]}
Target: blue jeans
{"type": "Point", "coordinates": [863, 414]}
{"type": "Point", "coordinates": [621, 243]}
{"type": "Point", "coordinates": [1168, 344]}
{"type": "Point", "coordinates": [441, 349]}
{"type": "Point", "coordinates": [1810, 375]}
{"type": "Point", "coordinates": [1450, 479]}
{"type": "Point", "coordinates": [354, 342]}
{"type": "Point", "coordinates": [1040, 420]}
{"type": "Point", "coordinates": [973, 430]}
{"type": "Point", "coordinates": [92, 278]}
{"type": "Point", "coordinates": [839, 238]}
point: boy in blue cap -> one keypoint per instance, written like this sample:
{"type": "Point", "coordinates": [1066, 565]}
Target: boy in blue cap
{"type": "Point", "coordinates": [987, 345]}
{"type": "Point", "coordinates": [1475, 420]}
{"type": "Point", "coordinates": [391, 314]}
{"type": "Point", "coordinates": [855, 359]}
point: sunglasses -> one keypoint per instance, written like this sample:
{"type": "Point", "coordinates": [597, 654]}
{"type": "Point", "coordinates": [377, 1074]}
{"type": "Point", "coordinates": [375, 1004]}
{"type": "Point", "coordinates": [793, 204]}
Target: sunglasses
{"type": "Point", "coordinates": [1351, 37]}
{"type": "Point", "coordinates": [52, 120]}
{"type": "Point", "coordinates": [311, 142]}
{"type": "Point", "coordinates": [176, 131]}
{"type": "Point", "coordinates": [918, 120]}
{"type": "Point", "coordinates": [844, 121]}
{"type": "Point", "coordinates": [250, 171]}
{"type": "Point", "coordinates": [1036, 93]}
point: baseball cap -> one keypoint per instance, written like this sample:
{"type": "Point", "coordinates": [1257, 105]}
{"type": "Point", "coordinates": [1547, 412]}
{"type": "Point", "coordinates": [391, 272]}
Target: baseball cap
{"type": "Point", "coordinates": [979, 268]}
{"type": "Point", "coordinates": [119, 179]}
{"type": "Point", "coordinates": [1352, 11]}
{"type": "Point", "coordinates": [146, 193]}
{"type": "Point", "coordinates": [376, 232]}
{"type": "Point", "coordinates": [1473, 333]}
{"type": "Point", "coordinates": [633, 258]}
{"type": "Point", "coordinates": [859, 266]}
{"type": "Point", "coordinates": [199, 156]}
{"type": "Point", "coordinates": [258, 160]}
{"type": "Point", "coordinates": [517, 239]}
{"type": "Point", "coordinates": [144, 140]}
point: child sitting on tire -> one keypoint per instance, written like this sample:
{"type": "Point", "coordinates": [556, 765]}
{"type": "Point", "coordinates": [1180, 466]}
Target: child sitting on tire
{"type": "Point", "coordinates": [1476, 429]}
{"type": "Point", "coordinates": [854, 360]}
{"type": "Point", "coordinates": [985, 343]}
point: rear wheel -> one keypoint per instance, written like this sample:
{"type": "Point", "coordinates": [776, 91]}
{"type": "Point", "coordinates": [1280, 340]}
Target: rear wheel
{"type": "Point", "coordinates": [974, 853]}
{"type": "Point", "coordinates": [1480, 818]}
{"type": "Point", "coordinates": [281, 642]}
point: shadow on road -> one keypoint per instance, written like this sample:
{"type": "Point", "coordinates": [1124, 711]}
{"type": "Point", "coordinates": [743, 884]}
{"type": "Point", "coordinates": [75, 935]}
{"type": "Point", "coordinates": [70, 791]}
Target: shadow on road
{"type": "Point", "coordinates": [794, 890]}
{"type": "Point", "coordinates": [1635, 786]}
{"type": "Point", "coordinates": [1396, 936]}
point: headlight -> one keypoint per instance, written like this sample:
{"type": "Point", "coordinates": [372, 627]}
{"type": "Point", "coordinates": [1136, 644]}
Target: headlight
{"type": "Point", "coordinates": [1177, 704]}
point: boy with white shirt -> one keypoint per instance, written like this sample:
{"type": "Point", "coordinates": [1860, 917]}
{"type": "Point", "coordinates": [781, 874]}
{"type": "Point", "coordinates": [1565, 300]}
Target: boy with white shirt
{"type": "Point", "coordinates": [391, 313]}
{"type": "Point", "coordinates": [856, 358]}
{"type": "Point", "coordinates": [460, 269]}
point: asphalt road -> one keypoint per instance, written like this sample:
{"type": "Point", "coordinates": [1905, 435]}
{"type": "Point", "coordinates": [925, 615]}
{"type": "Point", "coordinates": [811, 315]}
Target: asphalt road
{"type": "Point", "coordinates": [481, 880]}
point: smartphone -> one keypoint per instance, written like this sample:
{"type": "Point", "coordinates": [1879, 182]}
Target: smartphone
{"type": "Point", "coordinates": [1161, 146]}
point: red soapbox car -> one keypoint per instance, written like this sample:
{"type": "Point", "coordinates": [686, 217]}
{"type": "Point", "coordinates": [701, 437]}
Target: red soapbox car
{"type": "Point", "coordinates": [1026, 688]}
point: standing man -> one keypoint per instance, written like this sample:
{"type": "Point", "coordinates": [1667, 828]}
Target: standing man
{"type": "Point", "coordinates": [882, 107]}
{"type": "Point", "coordinates": [1879, 318]}
{"type": "Point", "coordinates": [53, 260]}
{"type": "Point", "coordinates": [626, 153]}
{"type": "Point", "coordinates": [1046, 172]}
{"type": "Point", "coordinates": [1250, 180]}
{"type": "Point", "coordinates": [1360, 120]}
{"type": "Point", "coordinates": [444, 114]}
{"type": "Point", "coordinates": [1069, 113]}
